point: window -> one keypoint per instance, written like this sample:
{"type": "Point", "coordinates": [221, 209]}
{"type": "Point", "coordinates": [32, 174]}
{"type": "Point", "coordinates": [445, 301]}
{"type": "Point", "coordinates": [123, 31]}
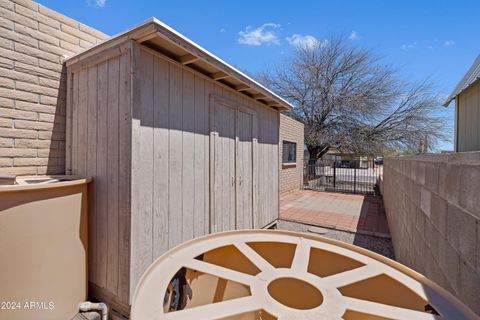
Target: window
{"type": "Point", "coordinates": [289, 152]}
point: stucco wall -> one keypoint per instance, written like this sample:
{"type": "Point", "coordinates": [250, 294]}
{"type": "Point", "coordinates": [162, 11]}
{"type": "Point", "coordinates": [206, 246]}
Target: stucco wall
{"type": "Point", "coordinates": [33, 41]}
{"type": "Point", "coordinates": [433, 209]}
{"type": "Point", "coordinates": [291, 174]}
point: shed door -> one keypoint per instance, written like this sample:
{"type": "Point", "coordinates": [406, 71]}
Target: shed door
{"type": "Point", "coordinates": [244, 181]}
{"type": "Point", "coordinates": [231, 166]}
{"type": "Point", "coordinates": [223, 167]}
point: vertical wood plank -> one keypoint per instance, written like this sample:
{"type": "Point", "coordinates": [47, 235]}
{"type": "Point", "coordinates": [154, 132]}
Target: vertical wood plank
{"type": "Point", "coordinates": [175, 156]}
{"type": "Point", "coordinates": [199, 158]}
{"type": "Point", "coordinates": [232, 156]}
{"type": "Point", "coordinates": [92, 169]}
{"type": "Point", "coordinates": [68, 124]}
{"type": "Point", "coordinates": [244, 170]}
{"type": "Point", "coordinates": [188, 154]}
{"type": "Point", "coordinates": [82, 122]}
{"type": "Point", "coordinates": [160, 155]}
{"type": "Point", "coordinates": [112, 173]}
{"type": "Point", "coordinates": [124, 167]}
{"type": "Point", "coordinates": [275, 165]}
{"type": "Point", "coordinates": [209, 149]}
{"type": "Point", "coordinates": [75, 90]}
{"type": "Point", "coordinates": [239, 219]}
{"type": "Point", "coordinates": [101, 177]}
{"type": "Point", "coordinates": [142, 159]}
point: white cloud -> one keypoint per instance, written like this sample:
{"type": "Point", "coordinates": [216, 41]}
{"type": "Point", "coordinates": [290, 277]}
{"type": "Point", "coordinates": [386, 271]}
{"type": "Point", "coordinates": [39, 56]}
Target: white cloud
{"type": "Point", "coordinates": [266, 33]}
{"type": "Point", "coordinates": [353, 35]}
{"type": "Point", "coordinates": [96, 3]}
{"type": "Point", "coordinates": [409, 46]}
{"type": "Point", "coordinates": [305, 41]}
{"type": "Point", "coordinates": [449, 43]}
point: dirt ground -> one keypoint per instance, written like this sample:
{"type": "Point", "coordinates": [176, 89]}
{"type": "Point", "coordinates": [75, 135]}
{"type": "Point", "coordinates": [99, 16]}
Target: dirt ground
{"type": "Point", "coordinates": [381, 245]}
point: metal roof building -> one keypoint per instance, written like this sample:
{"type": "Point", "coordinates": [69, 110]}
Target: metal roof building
{"type": "Point", "coordinates": [467, 110]}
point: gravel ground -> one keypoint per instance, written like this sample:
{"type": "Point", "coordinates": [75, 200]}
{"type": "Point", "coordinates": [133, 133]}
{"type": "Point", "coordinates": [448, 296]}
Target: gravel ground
{"type": "Point", "coordinates": [382, 246]}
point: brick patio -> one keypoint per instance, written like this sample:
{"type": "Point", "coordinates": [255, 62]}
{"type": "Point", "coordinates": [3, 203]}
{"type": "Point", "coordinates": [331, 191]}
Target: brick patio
{"type": "Point", "coordinates": [355, 213]}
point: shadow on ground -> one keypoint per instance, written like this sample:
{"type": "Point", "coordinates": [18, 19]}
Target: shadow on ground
{"type": "Point", "coordinates": [380, 245]}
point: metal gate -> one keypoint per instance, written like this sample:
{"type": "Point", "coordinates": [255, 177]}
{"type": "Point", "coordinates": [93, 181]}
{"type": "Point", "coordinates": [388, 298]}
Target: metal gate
{"type": "Point", "coordinates": [348, 176]}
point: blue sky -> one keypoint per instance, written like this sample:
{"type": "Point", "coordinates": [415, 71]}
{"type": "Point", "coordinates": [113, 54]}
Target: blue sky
{"type": "Point", "coordinates": [438, 40]}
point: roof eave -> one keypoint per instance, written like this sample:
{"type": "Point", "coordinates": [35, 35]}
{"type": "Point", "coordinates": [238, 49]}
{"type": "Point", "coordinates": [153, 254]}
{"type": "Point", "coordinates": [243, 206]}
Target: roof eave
{"type": "Point", "coordinates": [470, 77]}
{"type": "Point", "coordinates": [154, 28]}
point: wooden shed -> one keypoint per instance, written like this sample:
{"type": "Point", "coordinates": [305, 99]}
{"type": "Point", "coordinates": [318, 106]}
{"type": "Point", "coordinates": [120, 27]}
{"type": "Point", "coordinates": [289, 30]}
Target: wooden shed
{"type": "Point", "coordinates": [179, 143]}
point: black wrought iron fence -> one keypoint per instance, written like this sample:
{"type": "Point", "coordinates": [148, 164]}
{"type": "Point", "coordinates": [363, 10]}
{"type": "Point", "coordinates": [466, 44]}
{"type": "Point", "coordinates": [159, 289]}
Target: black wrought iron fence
{"type": "Point", "coordinates": [349, 176]}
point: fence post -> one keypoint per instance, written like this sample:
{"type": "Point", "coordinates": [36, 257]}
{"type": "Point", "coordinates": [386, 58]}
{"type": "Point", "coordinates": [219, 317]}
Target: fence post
{"type": "Point", "coordinates": [334, 173]}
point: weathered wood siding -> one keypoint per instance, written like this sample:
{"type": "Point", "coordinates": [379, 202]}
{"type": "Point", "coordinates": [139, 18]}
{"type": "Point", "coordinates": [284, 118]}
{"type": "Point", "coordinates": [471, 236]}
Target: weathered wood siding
{"type": "Point", "coordinates": [172, 135]}
{"type": "Point", "coordinates": [468, 119]}
{"type": "Point", "coordinates": [144, 127]}
{"type": "Point", "coordinates": [100, 144]}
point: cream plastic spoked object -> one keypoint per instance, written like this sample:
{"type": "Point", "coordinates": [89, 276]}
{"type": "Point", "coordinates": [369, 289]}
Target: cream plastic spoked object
{"type": "Point", "coordinates": [286, 275]}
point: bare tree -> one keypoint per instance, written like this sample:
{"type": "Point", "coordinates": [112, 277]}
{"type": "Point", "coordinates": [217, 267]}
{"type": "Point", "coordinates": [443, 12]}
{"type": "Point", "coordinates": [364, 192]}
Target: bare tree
{"type": "Point", "coordinates": [349, 100]}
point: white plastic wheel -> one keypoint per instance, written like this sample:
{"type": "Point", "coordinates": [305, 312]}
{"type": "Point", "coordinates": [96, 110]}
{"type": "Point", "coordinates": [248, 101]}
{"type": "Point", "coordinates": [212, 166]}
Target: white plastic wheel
{"type": "Point", "coordinates": [286, 275]}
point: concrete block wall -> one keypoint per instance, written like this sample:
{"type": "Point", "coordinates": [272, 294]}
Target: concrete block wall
{"type": "Point", "coordinates": [291, 174]}
{"type": "Point", "coordinates": [33, 43]}
{"type": "Point", "coordinates": [432, 203]}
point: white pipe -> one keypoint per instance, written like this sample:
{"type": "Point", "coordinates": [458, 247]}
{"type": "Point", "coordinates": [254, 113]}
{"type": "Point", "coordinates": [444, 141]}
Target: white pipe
{"type": "Point", "coordinates": [100, 307]}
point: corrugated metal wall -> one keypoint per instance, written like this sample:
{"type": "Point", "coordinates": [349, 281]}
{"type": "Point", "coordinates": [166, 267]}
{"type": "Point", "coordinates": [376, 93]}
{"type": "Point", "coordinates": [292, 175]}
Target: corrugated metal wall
{"type": "Point", "coordinates": [468, 119]}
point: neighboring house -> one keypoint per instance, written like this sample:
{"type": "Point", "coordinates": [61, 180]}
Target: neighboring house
{"type": "Point", "coordinates": [467, 110]}
{"type": "Point", "coordinates": [291, 154]}
{"type": "Point", "coordinates": [347, 159]}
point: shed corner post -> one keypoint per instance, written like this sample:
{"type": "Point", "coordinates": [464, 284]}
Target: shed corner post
{"type": "Point", "coordinates": [68, 122]}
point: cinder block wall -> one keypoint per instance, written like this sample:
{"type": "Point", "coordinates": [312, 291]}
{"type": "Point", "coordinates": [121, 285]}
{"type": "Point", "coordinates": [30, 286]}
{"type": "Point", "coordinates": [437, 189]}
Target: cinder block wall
{"type": "Point", "coordinates": [33, 41]}
{"type": "Point", "coordinates": [291, 175]}
{"type": "Point", "coordinates": [433, 209]}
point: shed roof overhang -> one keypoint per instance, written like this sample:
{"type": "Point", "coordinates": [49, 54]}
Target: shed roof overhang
{"type": "Point", "coordinates": [472, 75]}
{"type": "Point", "coordinates": [160, 37]}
